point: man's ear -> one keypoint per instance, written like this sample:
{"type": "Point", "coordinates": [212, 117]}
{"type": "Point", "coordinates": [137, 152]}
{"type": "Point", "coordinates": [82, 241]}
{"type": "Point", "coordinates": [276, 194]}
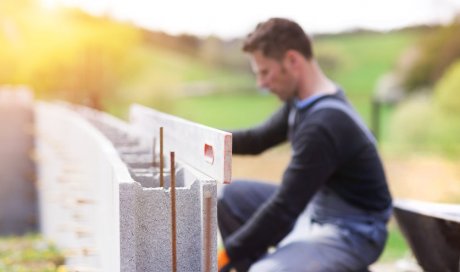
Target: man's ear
{"type": "Point", "coordinates": [291, 58]}
{"type": "Point", "coordinates": [291, 61]}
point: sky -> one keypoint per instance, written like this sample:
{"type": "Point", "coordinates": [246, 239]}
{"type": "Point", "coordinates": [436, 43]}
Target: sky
{"type": "Point", "coordinates": [235, 18]}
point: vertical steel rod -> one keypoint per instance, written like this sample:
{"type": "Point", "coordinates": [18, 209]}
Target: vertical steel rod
{"type": "Point", "coordinates": [154, 148]}
{"type": "Point", "coordinates": [161, 159]}
{"type": "Point", "coordinates": [207, 234]}
{"type": "Point", "coordinates": [173, 214]}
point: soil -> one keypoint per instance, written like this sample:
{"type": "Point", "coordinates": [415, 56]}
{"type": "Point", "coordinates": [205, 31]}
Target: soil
{"type": "Point", "coordinates": [427, 178]}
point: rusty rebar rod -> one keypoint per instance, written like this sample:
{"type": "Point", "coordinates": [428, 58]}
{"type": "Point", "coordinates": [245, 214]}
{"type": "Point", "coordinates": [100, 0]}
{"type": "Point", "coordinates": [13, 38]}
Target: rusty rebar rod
{"type": "Point", "coordinates": [207, 232]}
{"type": "Point", "coordinates": [154, 145]}
{"type": "Point", "coordinates": [173, 213]}
{"type": "Point", "coordinates": [161, 159]}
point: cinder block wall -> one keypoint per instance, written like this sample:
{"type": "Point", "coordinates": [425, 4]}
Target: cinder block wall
{"type": "Point", "coordinates": [110, 214]}
{"type": "Point", "coordinates": [18, 195]}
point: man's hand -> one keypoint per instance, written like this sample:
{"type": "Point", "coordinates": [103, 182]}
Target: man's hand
{"type": "Point", "coordinates": [223, 261]}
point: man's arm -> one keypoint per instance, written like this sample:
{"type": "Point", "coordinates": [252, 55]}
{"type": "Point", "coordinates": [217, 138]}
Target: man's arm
{"type": "Point", "coordinates": [270, 133]}
{"type": "Point", "coordinates": [313, 161]}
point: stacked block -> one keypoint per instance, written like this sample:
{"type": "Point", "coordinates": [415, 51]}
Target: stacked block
{"type": "Point", "coordinates": [115, 216]}
{"type": "Point", "coordinates": [79, 177]}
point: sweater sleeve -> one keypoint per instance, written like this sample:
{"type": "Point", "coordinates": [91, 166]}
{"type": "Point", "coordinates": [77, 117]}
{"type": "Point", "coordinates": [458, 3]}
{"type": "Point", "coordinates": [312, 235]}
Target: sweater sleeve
{"type": "Point", "coordinates": [268, 134]}
{"type": "Point", "coordinates": [313, 161]}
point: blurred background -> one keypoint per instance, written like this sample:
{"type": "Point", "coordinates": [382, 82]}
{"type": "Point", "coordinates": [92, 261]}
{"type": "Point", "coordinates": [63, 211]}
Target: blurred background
{"type": "Point", "coordinates": [399, 64]}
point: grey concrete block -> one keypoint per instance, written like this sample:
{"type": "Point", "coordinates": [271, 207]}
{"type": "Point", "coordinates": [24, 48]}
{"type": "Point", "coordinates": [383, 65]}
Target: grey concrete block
{"type": "Point", "coordinates": [129, 193]}
{"type": "Point", "coordinates": [154, 228]}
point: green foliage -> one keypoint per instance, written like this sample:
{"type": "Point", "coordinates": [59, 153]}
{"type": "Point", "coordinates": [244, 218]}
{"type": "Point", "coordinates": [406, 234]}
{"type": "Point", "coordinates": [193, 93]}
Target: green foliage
{"type": "Point", "coordinates": [447, 90]}
{"type": "Point", "coordinates": [65, 54]}
{"type": "Point", "coordinates": [436, 52]}
{"type": "Point", "coordinates": [162, 76]}
{"type": "Point", "coordinates": [418, 125]}
{"type": "Point", "coordinates": [29, 253]}
{"type": "Point", "coordinates": [184, 43]}
{"type": "Point", "coordinates": [96, 61]}
{"type": "Point", "coordinates": [430, 123]}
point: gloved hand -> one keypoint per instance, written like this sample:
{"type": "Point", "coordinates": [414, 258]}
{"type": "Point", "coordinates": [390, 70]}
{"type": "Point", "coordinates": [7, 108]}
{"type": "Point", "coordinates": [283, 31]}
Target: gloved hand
{"type": "Point", "coordinates": [223, 261]}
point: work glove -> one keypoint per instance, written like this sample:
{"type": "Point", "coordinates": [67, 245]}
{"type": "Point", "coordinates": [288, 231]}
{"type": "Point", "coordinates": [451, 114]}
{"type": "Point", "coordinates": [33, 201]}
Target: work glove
{"type": "Point", "coordinates": [223, 261]}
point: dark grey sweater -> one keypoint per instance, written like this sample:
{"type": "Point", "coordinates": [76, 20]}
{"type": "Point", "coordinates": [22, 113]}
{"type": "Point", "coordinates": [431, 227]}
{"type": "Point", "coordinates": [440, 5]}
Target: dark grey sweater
{"type": "Point", "coordinates": [331, 147]}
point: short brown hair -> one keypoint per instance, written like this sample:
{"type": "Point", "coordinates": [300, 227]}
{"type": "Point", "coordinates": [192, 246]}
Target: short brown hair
{"type": "Point", "coordinates": [276, 36]}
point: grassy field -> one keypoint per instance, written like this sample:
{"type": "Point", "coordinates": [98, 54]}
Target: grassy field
{"type": "Point", "coordinates": [160, 75]}
{"type": "Point", "coordinates": [363, 59]}
{"type": "Point", "coordinates": [368, 57]}
{"type": "Point", "coordinates": [168, 79]}
{"type": "Point", "coordinates": [227, 111]}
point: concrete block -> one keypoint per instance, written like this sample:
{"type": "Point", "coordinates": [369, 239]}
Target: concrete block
{"type": "Point", "coordinates": [128, 222]}
{"type": "Point", "coordinates": [115, 216]}
{"type": "Point", "coordinates": [79, 174]}
{"type": "Point", "coordinates": [154, 227]}
{"type": "Point", "coordinates": [18, 194]}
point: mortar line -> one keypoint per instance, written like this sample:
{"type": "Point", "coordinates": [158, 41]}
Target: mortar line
{"type": "Point", "coordinates": [161, 159]}
{"type": "Point", "coordinates": [173, 213]}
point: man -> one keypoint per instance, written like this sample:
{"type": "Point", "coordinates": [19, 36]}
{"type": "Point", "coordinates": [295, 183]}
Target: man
{"type": "Point", "coordinates": [330, 211]}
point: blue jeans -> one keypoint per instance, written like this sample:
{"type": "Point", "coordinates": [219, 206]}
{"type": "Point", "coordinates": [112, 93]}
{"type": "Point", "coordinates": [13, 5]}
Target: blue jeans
{"type": "Point", "coordinates": [329, 235]}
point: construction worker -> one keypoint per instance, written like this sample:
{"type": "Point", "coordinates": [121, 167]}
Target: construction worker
{"type": "Point", "coordinates": [330, 211]}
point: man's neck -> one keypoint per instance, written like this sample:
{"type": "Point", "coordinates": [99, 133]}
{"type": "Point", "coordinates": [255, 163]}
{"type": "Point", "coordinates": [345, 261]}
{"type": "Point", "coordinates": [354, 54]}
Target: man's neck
{"type": "Point", "coordinates": [314, 82]}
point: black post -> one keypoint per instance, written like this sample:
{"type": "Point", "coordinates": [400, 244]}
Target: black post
{"type": "Point", "coordinates": [375, 122]}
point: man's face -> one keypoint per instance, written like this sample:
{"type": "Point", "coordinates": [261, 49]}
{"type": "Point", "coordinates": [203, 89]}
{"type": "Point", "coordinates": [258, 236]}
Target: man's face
{"type": "Point", "coordinates": [273, 75]}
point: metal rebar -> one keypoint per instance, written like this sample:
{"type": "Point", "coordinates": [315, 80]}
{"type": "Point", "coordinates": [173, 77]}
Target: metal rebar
{"type": "Point", "coordinates": [154, 145]}
{"type": "Point", "coordinates": [161, 159]}
{"type": "Point", "coordinates": [173, 214]}
{"type": "Point", "coordinates": [207, 232]}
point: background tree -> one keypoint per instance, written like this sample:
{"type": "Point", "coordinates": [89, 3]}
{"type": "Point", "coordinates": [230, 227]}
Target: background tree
{"type": "Point", "coordinates": [436, 52]}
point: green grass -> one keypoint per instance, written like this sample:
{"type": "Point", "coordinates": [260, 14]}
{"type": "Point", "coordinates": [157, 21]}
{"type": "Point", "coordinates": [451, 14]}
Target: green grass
{"type": "Point", "coordinates": [28, 253]}
{"type": "Point", "coordinates": [396, 247]}
{"type": "Point", "coordinates": [366, 58]}
{"type": "Point", "coordinates": [227, 111]}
